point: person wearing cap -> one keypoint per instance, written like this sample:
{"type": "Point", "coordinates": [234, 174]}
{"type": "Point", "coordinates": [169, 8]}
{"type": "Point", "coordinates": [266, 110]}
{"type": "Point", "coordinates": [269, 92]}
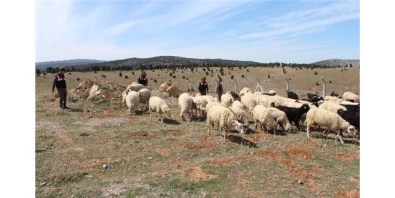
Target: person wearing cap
{"type": "Point", "coordinates": [143, 79]}
{"type": "Point", "coordinates": [59, 82]}
{"type": "Point", "coordinates": [203, 86]}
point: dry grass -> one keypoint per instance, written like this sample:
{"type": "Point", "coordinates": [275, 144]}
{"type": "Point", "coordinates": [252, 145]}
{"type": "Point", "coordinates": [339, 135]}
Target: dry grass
{"type": "Point", "coordinates": [148, 159]}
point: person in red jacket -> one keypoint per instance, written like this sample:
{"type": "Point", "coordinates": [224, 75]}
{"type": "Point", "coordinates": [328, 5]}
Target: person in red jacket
{"type": "Point", "coordinates": [59, 82]}
{"type": "Point", "coordinates": [203, 86]}
{"type": "Point", "coordinates": [143, 79]}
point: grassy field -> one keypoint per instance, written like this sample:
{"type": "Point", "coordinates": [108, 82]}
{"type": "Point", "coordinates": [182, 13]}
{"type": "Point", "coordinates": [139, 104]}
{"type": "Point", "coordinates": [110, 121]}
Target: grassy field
{"type": "Point", "coordinates": [98, 150]}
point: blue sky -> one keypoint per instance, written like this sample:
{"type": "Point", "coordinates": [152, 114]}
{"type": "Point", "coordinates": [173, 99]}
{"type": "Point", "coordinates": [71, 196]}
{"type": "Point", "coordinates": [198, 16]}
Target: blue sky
{"type": "Point", "coordinates": [295, 31]}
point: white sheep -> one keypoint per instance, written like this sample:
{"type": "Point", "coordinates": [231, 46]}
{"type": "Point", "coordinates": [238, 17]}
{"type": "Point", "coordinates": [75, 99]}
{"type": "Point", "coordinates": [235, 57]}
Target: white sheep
{"type": "Point", "coordinates": [350, 96]}
{"type": "Point", "coordinates": [227, 99]}
{"type": "Point", "coordinates": [145, 95]}
{"type": "Point", "coordinates": [159, 106]}
{"type": "Point", "coordinates": [201, 103]}
{"type": "Point", "coordinates": [224, 118]}
{"type": "Point", "coordinates": [240, 111]}
{"type": "Point", "coordinates": [332, 99]}
{"type": "Point", "coordinates": [244, 90]}
{"type": "Point", "coordinates": [332, 106]}
{"type": "Point", "coordinates": [280, 117]}
{"type": "Point", "coordinates": [185, 102]}
{"type": "Point", "coordinates": [248, 100]}
{"type": "Point", "coordinates": [132, 100]}
{"type": "Point", "coordinates": [331, 121]}
{"type": "Point", "coordinates": [264, 118]}
{"type": "Point", "coordinates": [134, 87]}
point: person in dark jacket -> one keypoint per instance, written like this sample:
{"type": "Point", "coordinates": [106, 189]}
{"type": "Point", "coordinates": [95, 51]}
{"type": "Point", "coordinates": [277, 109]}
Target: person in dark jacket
{"type": "Point", "coordinates": [59, 82]}
{"type": "Point", "coordinates": [143, 79]}
{"type": "Point", "coordinates": [219, 90]}
{"type": "Point", "coordinates": [203, 86]}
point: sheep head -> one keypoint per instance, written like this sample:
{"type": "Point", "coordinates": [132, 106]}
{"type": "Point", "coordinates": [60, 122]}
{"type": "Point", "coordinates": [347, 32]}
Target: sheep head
{"type": "Point", "coordinates": [352, 130]}
{"type": "Point", "coordinates": [238, 126]}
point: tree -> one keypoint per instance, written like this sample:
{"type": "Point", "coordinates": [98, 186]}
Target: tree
{"type": "Point", "coordinates": [38, 72]}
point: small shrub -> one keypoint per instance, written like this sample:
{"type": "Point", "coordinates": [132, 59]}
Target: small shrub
{"type": "Point", "coordinates": [133, 73]}
{"type": "Point", "coordinates": [69, 73]}
{"type": "Point", "coordinates": [242, 75]}
{"type": "Point", "coordinates": [78, 79]}
{"type": "Point", "coordinates": [120, 74]}
{"type": "Point", "coordinates": [171, 74]}
{"type": "Point", "coordinates": [126, 76]}
{"type": "Point", "coordinates": [95, 71]}
{"type": "Point", "coordinates": [316, 83]}
{"type": "Point", "coordinates": [248, 70]}
{"type": "Point", "coordinates": [231, 77]}
{"type": "Point", "coordinates": [155, 80]}
{"type": "Point", "coordinates": [174, 76]}
{"type": "Point", "coordinates": [330, 81]}
{"type": "Point", "coordinates": [268, 76]}
{"type": "Point", "coordinates": [315, 73]}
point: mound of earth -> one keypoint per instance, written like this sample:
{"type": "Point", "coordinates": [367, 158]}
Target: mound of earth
{"type": "Point", "coordinates": [96, 90]}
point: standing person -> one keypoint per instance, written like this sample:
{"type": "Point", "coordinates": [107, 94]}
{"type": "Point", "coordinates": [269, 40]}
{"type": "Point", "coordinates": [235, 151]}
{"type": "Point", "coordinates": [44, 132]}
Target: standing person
{"type": "Point", "coordinates": [219, 90]}
{"type": "Point", "coordinates": [143, 79]}
{"type": "Point", "coordinates": [59, 82]}
{"type": "Point", "coordinates": [203, 86]}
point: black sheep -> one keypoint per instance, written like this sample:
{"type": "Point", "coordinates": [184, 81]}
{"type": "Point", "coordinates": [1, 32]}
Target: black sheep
{"type": "Point", "coordinates": [294, 114]}
{"type": "Point", "coordinates": [292, 95]}
{"type": "Point", "coordinates": [351, 115]}
{"type": "Point", "coordinates": [314, 97]}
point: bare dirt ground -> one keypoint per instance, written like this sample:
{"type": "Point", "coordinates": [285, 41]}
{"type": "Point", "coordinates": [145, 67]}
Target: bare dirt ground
{"type": "Point", "coordinates": [98, 150]}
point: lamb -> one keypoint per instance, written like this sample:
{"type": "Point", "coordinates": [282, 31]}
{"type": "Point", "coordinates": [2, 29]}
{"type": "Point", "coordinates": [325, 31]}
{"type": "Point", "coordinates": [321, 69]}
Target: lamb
{"type": "Point", "coordinates": [145, 95]}
{"type": "Point", "coordinates": [185, 103]}
{"type": "Point", "coordinates": [224, 118]}
{"type": "Point", "coordinates": [349, 96]}
{"type": "Point", "coordinates": [331, 121]}
{"type": "Point", "coordinates": [264, 118]}
{"type": "Point", "coordinates": [173, 91]}
{"type": "Point", "coordinates": [332, 107]}
{"type": "Point", "coordinates": [227, 100]}
{"type": "Point", "coordinates": [132, 100]}
{"type": "Point", "coordinates": [292, 95]}
{"type": "Point", "coordinates": [134, 87]}
{"type": "Point", "coordinates": [294, 114]}
{"type": "Point", "coordinates": [163, 87]}
{"type": "Point", "coordinates": [159, 106]}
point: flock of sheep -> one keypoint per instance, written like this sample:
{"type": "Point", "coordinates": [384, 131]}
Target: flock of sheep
{"type": "Point", "coordinates": [268, 110]}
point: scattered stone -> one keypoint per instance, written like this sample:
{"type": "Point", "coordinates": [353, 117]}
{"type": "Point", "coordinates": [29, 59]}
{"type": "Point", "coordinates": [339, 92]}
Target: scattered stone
{"type": "Point", "coordinates": [150, 158]}
{"type": "Point", "coordinates": [300, 182]}
{"type": "Point", "coordinates": [43, 184]}
{"type": "Point", "coordinates": [105, 166]}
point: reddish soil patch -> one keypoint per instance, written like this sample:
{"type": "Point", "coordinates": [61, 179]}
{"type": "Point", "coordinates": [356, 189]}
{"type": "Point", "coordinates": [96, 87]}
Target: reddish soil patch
{"type": "Point", "coordinates": [344, 157]}
{"type": "Point", "coordinates": [300, 153]}
{"type": "Point", "coordinates": [204, 143]}
{"type": "Point", "coordinates": [348, 194]}
{"type": "Point", "coordinates": [196, 173]}
{"type": "Point", "coordinates": [132, 119]}
{"type": "Point", "coordinates": [291, 166]}
{"type": "Point", "coordinates": [226, 162]}
{"type": "Point", "coordinates": [165, 152]}
{"type": "Point", "coordinates": [160, 174]}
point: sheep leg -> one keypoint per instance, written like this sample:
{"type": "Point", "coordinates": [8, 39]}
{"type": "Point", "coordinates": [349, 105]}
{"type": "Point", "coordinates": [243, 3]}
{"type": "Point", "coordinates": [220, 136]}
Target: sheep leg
{"type": "Point", "coordinates": [130, 111]}
{"type": "Point", "coordinates": [308, 131]}
{"type": "Point", "coordinates": [339, 135]}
